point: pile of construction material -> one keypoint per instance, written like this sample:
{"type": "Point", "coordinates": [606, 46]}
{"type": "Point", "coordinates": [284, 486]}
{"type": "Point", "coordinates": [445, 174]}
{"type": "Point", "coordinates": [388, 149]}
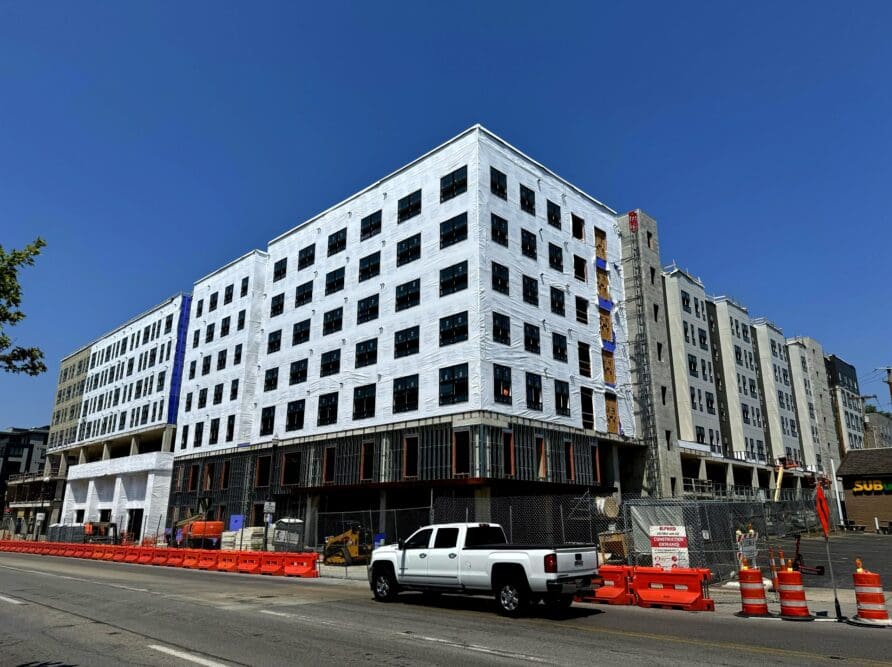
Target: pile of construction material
{"type": "Point", "coordinates": [246, 539]}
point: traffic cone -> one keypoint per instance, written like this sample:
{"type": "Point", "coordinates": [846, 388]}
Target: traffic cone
{"type": "Point", "coordinates": [752, 592]}
{"type": "Point", "coordinates": [794, 606]}
{"type": "Point", "coordinates": [870, 598]}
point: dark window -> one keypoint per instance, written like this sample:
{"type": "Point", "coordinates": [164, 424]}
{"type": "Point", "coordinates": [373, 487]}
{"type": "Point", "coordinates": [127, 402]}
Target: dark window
{"type": "Point", "coordinates": [554, 214]}
{"type": "Point", "coordinates": [274, 341]}
{"type": "Point", "coordinates": [263, 470]}
{"type": "Point", "coordinates": [501, 376]}
{"type": "Point", "coordinates": [370, 226]}
{"type": "Point", "coordinates": [227, 294]}
{"type": "Point", "coordinates": [188, 401]}
{"type": "Point", "coordinates": [454, 384]}
{"type": "Point", "coordinates": [298, 371]}
{"type": "Point", "coordinates": [557, 301]}
{"type": "Point", "coordinates": [300, 333]}
{"type": "Point", "coordinates": [367, 309]}
{"type": "Point", "coordinates": [271, 379]}
{"type": "Point", "coordinates": [244, 287]}
{"type": "Point", "coordinates": [364, 402]}
{"type": "Point", "coordinates": [199, 434]}
{"type": "Point", "coordinates": [581, 310]}
{"type": "Point", "coordinates": [277, 305]}
{"type": "Point", "coordinates": [209, 333]}
{"type": "Point", "coordinates": [562, 397]}
{"type": "Point", "coordinates": [370, 266]}
{"type": "Point", "coordinates": [367, 461]}
{"type": "Point", "coordinates": [408, 294]}
{"type": "Point", "coordinates": [559, 346]}
{"type": "Point", "coordinates": [306, 257]}
{"type": "Point", "coordinates": [221, 360]}
{"type": "Point", "coordinates": [534, 391]}
{"type": "Point", "coordinates": [405, 342]}
{"type": "Point", "coordinates": [367, 352]}
{"type": "Point", "coordinates": [202, 398]}
{"type": "Point", "coordinates": [214, 433]}
{"type": "Point", "coordinates": [453, 230]}
{"type": "Point", "coordinates": [454, 184]}
{"type": "Point", "coordinates": [280, 269]}
{"type": "Point", "coordinates": [331, 363]}
{"type": "Point", "coordinates": [291, 462]}
{"type": "Point", "coordinates": [453, 329]}
{"type": "Point", "coordinates": [498, 183]}
{"type": "Point", "coordinates": [578, 227]}
{"type": "Point", "coordinates": [461, 452]}
{"type": "Point", "coordinates": [501, 328]}
{"type": "Point", "coordinates": [196, 338]}
{"type": "Point", "coordinates": [184, 441]}
{"type": "Point", "coordinates": [528, 244]}
{"type": "Point", "coordinates": [212, 302]}
{"type": "Point", "coordinates": [332, 321]}
{"type": "Point", "coordinates": [267, 420]}
{"type": "Point", "coordinates": [409, 206]}
{"type": "Point", "coordinates": [224, 326]}
{"type": "Point", "coordinates": [531, 290]}
{"type": "Point", "coordinates": [329, 460]}
{"type": "Point", "coordinates": [294, 421]}
{"type": "Point", "coordinates": [205, 366]}
{"type": "Point", "coordinates": [237, 355]}
{"type": "Point", "coordinates": [527, 200]}
{"type": "Point", "coordinates": [580, 270]}
{"type": "Point", "coordinates": [500, 278]}
{"type": "Point", "coordinates": [199, 308]}
{"type": "Point", "coordinates": [240, 321]}
{"type": "Point", "coordinates": [303, 294]}
{"type": "Point", "coordinates": [555, 257]}
{"type": "Point", "coordinates": [233, 390]}
{"type": "Point", "coordinates": [531, 338]}
{"type": "Point", "coordinates": [454, 278]}
{"type": "Point", "coordinates": [408, 250]}
{"type": "Point", "coordinates": [405, 394]}
{"type": "Point", "coordinates": [498, 230]}
{"type": "Point", "coordinates": [337, 242]}
{"type": "Point", "coordinates": [230, 434]}
{"type": "Point", "coordinates": [328, 409]}
{"type": "Point", "coordinates": [585, 359]}
{"type": "Point", "coordinates": [334, 281]}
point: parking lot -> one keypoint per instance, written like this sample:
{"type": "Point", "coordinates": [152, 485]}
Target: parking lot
{"type": "Point", "coordinates": [874, 550]}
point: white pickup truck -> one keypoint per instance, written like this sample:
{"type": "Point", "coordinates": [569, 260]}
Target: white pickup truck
{"type": "Point", "coordinates": [475, 559]}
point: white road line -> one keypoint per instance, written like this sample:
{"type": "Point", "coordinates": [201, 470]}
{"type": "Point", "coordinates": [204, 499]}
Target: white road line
{"type": "Point", "coordinates": [182, 655]}
{"type": "Point", "coordinates": [479, 649]}
{"type": "Point", "coordinates": [10, 600]}
{"type": "Point", "coordinates": [274, 613]}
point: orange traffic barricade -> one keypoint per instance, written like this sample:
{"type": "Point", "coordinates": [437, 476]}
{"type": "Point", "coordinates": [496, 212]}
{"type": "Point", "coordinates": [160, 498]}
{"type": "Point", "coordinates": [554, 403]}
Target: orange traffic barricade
{"type": "Point", "coordinates": [98, 552]}
{"type": "Point", "coordinates": [207, 559]}
{"type": "Point", "coordinates": [159, 557]}
{"type": "Point", "coordinates": [190, 558]}
{"type": "Point", "coordinates": [870, 598]}
{"type": "Point", "coordinates": [678, 588]}
{"type": "Point", "coordinates": [110, 552]}
{"type": "Point", "coordinates": [120, 554]}
{"type": "Point", "coordinates": [301, 565]}
{"type": "Point", "coordinates": [793, 605]}
{"type": "Point", "coordinates": [227, 561]}
{"type": "Point", "coordinates": [616, 586]}
{"type": "Point", "coordinates": [752, 592]}
{"type": "Point", "coordinates": [69, 550]}
{"type": "Point", "coordinates": [272, 563]}
{"type": "Point", "coordinates": [249, 562]}
{"type": "Point", "coordinates": [146, 554]}
{"type": "Point", "coordinates": [132, 554]}
{"type": "Point", "coordinates": [175, 557]}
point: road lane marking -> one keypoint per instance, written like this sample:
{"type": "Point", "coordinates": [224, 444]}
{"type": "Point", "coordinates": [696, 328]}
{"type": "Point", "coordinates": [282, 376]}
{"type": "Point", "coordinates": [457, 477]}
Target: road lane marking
{"type": "Point", "coordinates": [274, 613]}
{"type": "Point", "coordinates": [477, 649]}
{"type": "Point", "coordinates": [182, 655]}
{"type": "Point", "coordinates": [11, 600]}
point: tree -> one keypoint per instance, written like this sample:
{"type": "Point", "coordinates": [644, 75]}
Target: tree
{"type": "Point", "coordinates": [16, 359]}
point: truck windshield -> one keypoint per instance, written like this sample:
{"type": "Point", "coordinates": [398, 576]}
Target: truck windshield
{"type": "Point", "coordinates": [480, 535]}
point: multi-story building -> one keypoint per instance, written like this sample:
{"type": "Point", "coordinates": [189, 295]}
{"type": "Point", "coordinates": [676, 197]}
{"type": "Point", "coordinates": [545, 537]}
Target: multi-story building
{"type": "Point", "coordinates": [22, 453]}
{"type": "Point", "coordinates": [778, 404]}
{"type": "Point", "coordinates": [848, 406]}
{"type": "Point", "coordinates": [737, 380]}
{"type": "Point", "coordinates": [220, 367]}
{"type": "Point", "coordinates": [123, 449]}
{"type": "Point", "coordinates": [877, 430]}
{"type": "Point", "coordinates": [811, 391]}
{"type": "Point", "coordinates": [69, 392]}
{"type": "Point", "coordinates": [452, 327]}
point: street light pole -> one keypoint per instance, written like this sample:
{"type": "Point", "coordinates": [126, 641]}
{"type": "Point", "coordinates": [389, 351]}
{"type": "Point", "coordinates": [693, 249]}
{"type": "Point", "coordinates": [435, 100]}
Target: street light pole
{"type": "Point", "coordinates": [267, 516]}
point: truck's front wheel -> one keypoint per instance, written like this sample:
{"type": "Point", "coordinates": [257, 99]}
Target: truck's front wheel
{"type": "Point", "coordinates": [384, 586]}
{"type": "Point", "coordinates": [512, 598]}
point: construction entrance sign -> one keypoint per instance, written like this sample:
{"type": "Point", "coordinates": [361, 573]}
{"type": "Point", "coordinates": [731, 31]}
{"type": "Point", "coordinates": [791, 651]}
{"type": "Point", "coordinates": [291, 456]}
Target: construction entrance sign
{"type": "Point", "coordinates": [669, 546]}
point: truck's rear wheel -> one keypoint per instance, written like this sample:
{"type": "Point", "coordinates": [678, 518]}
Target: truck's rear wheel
{"type": "Point", "coordinates": [512, 597]}
{"type": "Point", "coordinates": [384, 586]}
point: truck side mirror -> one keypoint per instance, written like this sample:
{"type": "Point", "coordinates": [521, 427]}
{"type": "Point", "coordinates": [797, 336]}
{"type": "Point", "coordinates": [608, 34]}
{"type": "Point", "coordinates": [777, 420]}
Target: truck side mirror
{"type": "Point", "coordinates": [400, 545]}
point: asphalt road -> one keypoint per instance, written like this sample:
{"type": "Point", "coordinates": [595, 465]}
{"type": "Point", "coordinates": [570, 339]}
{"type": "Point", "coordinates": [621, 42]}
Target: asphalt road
{"type": "Point", "coordinates": [56, 611]}
{"type": "Point", "coordinates": [874, 550]}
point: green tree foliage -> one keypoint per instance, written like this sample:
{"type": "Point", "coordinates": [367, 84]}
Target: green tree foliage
{"type": "Point", "coordinates": [16, 359]}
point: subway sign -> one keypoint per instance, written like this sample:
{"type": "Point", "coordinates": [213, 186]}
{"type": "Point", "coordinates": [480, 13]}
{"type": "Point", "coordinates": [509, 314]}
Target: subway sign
{"type": "Point", "coordinates": [872, 486]}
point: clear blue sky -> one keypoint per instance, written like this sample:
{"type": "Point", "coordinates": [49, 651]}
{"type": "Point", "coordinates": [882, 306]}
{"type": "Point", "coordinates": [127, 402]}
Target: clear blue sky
{"type": "Point", "coordinates": [150, 143]}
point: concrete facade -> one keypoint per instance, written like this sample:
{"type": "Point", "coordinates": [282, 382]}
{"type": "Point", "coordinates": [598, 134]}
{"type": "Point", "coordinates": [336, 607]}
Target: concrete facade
{"type": "Point", "coordinates": [778, 404]}
{"type": "Point", "coordinates": [68, 402]}
{"type": "Point", "coordinates": [848, 406]}
{"type": "Point", "coordinates": [877, 430]}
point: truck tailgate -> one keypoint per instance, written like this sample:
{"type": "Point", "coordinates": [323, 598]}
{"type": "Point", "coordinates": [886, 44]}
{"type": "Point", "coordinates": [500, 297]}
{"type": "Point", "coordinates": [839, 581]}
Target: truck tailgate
{"type": "Point", "coordinates": [576, 559]}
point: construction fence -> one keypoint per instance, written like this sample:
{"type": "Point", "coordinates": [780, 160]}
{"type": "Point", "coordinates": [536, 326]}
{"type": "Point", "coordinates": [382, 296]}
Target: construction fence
{"type": "Point", "coordinates": [621, 530]}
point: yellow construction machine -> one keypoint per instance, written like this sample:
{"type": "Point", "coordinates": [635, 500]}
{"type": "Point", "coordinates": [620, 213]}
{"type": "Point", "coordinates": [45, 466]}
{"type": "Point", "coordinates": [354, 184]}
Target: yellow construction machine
{"type": "Point", "coordinates": [351, 547]}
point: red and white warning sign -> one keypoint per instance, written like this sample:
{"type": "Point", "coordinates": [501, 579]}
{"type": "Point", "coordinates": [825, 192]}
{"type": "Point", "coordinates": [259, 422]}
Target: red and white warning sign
{"type": "Point", "coordinates": [669, 546]}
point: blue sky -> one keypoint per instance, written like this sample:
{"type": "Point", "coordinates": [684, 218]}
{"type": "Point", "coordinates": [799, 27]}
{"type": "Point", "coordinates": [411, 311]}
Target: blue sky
{"type": "Point", "coordinates": [150, 143]}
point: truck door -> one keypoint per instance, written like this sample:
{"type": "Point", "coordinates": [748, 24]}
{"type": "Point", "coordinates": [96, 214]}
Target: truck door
{"type": "Point", "coordinates": [413, 563]}
{"type": "Point", "coordinates": [442, 559]}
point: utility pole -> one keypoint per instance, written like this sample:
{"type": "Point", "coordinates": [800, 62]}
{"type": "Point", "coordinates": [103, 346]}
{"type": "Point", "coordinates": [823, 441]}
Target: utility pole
{"type": "Point", "coordinates": [888, 381]}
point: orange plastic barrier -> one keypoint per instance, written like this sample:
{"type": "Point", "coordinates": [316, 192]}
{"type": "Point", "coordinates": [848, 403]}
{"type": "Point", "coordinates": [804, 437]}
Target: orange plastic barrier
{"type": "Point", "coordinates": [132, 554]}
{"type": "Point", "coordinates": [752, 592]}
{"type": "Point", "coordinates": [249, 562]}
{"type": "Point", "coordinates": [616, 587]}
{"type": "Point", "coordinates": [207, 559]}
{"type": "Point", "coordinates": [83, 551]}
{"type": "Point", "coordinates": [119, 555]}
{"type": "Point", "coordinates": [69, 550]}
{"type": "Point", "coordinates": [870, 598]}
{"type": "Point", "coordinates": [227, 561]}
{"type": "Point", "coordinates": [301, 565]}
{"type": "Point", "coordinates": [110, 552]}
{"type": "Point", "coordinates": [146, 554]}
{"type": "Point", "coordinates": [98, 552]}
{"type": "Point", "coordinates": [160, 557]}
{"type": "Point", "coordinates": [272, 564]}
{"type": "Point", "coordinates": [175, 557]}
{"type": "Point", "coordinates": [190, 558]}
{"type": "Point", "coordinates": [678, 588]}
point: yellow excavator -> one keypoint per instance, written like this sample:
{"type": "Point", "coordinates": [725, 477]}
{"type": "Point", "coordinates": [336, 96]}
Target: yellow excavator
{"type": "Point", "coordinates": [349, 548]}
